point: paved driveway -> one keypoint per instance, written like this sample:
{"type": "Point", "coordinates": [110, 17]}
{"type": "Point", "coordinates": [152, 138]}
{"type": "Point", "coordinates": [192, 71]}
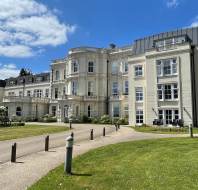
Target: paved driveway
{"type": "Point", "coordinates": [35, 144]}
{"type": "Point", "coordinates": [29, 169]}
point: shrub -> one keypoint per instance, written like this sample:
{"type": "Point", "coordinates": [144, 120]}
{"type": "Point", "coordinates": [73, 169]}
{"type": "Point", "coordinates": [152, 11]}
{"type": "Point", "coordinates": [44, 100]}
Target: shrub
{"type": "Point", "coordinates": [85, 119]}
{"type": "Point", "coordinates": [105, 119]}
{"type": "Point", "coordinates": [47, 118]}
{"type": "Point", "coordinates": [95, 120]}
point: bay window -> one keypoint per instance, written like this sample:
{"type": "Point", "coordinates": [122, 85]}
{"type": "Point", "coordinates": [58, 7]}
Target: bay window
{"type": "Point", "coordinates": [167, 91]}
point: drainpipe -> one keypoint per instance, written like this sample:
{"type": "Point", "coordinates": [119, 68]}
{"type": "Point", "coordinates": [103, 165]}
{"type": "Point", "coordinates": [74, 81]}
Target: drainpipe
{"type": "Point", "coordinates": [193, 88]}
{"type": "Point", "coordinates": [107, 97]}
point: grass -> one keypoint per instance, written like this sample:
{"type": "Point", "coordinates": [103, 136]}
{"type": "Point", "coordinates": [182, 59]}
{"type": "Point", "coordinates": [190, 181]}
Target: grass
{"type": "Point", "coordinates": [164, 130]}
{"type": "Point", "coordinates": [7, 133]}
{"type": "Point", "coordinates": [166, 164]}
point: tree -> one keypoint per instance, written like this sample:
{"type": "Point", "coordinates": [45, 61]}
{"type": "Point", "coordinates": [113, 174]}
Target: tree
{"type": "Point", "coordinates": [24, 72]}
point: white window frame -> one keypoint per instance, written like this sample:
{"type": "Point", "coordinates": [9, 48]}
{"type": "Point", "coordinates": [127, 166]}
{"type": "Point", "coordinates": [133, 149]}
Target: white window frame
{"type": "Point", "coordinates": [174, 92]}
{"type": "Point", "coordinates": [114, 68]}
{"type": "Point", "coordinates": [126, 87]}
{"type": "Point", "coordinates": [74, 88]}
{"type": "Point", "coordinates": [57, 75]}
{"type": "Point", "coordinates": [115, 89]}
{"type": "Point", "coordinates": [29, 93]}
{"type": "Point", "coordinates": [139, 116]}
{"type": "Point", "coordinates": [138, 70]}
{"type": "Point", "coordinates": [139, 94]}
{"type": "Point", "coordinates": [38, 93]}
{"type": "Point", "coordinates": [75, 67]}
{"type": "Point", "coordinates": [163, 116]}
{"type": "Point", "coordinates": [160, 65]}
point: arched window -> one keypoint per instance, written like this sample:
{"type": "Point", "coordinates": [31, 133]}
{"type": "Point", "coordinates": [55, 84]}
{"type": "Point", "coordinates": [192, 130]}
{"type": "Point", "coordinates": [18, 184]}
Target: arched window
{"type": "Point", "coordinates": [18, 111]}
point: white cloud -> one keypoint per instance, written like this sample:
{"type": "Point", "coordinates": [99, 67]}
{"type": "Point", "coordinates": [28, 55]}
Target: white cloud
{"type": "Point", "coordinates": [26, 26]}
{"type": "Point", "coordinates": [194, 22]}
{"type": "Point", "coordinates": [8, 70]}
{"type": "Point", "coordinates": [172, 3]}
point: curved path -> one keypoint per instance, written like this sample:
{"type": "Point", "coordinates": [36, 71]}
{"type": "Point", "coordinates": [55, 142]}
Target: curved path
{"type": "Point", "coordinates": [31, 168]}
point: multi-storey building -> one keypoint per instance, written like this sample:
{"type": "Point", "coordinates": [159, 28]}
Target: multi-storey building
{"type": "Point", "coordinates": [163, 75]}
{"type": "Point", "coordinates": [26, 96]}
{"type": "Point", "coordinates": [90, 81]}
{"type": "Point", "coordinates": [162, 82]}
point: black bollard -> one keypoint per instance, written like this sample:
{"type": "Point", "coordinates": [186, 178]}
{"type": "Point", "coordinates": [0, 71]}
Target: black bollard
{"type": "Point", "coordinates": [118, 126]}
{"type": "Point", "coordinates": [104, 132]}
{"type": "Point", "coordinates": [13, 153]}
{"type": "Point", "coordinates": [91, 135]}
{"type": "Point", "coordinates": [47, 143]}
{"type": "Point", "coordinates": [72, 134]}
{"type": "Point", "coordinates": [68, 157]}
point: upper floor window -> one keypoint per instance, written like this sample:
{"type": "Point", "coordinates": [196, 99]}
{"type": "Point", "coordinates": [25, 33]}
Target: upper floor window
{"type": "Point", "coordinates": [166, 67]}
{"type": "Point", "coordinates": [126, 67]}
{"type": "Point", "coordinates": [38, 93]}
{"type": "Point", "coordinates": [167, 91]}
{"type": "Point", "coordinates": [126, 87]}
{"type": "Point", "coordinates": [114, 68]}
{"type": "Point", "coordinates": [39, 79]}
{"type": "Point", "coordinates": [64, 74]}
{"type": "Point", "coordinates": [138, 71]}
{"type": "Point", "coordinates": [90, 66]}
{"type": "Point", "coordinates": [90, 88]}
{"type": "Point", "coordinates": [139, 94]}
{"type": "Point", "coordinates": [29, 93]}
{"type": "Point", "coordinates": [47, 93]}
{"type": "Point", "coordinates": [56, 93]}
{"type": "Point", "coordinates": [11, 93]}
{"type": "Point", "coordinates": [115, 89]}
{"type": "Point", "coordinates": [74, 87]}
{"type": "Point", "coordinates": [57, 75]}
{"type": "Point", "coordinates": [74, 67]}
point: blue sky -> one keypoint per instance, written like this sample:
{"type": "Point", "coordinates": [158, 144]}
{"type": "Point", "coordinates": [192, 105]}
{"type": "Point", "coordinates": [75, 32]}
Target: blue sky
{"type": "Point", "coordinates": [34, 32]}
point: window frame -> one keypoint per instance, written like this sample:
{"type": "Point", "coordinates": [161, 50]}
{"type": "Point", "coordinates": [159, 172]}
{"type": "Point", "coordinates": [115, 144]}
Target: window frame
{"type": "Point", "coordinates": [138, 71]}
{"type": "Point", "coordinates": [139, 116]}
{"type": "Point", "coordinates": [139, 94]}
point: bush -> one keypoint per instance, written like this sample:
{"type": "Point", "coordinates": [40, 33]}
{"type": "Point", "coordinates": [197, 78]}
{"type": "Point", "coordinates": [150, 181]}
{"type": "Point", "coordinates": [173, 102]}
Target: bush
{"type": "Point", "coordinates": [105, 119]}
{"type": "Point", "coordinates": [47, 118]}
{"type": "Point", "coordinates": [17, 124]}
{"type": "Point", "coordinates": [85, 119]}
{"type": "Point", "coordinates": [95, 120]}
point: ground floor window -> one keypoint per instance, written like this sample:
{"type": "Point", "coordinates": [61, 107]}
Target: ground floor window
{"type": "Point", "coordinates": [18, 111]}
{"type": "Point", "coordinates": [116, 110]}
{"type": "Point", "coordinates": [66, 108]}
{"type": "Point", "coordinates": [89, 110]}
{"type": "Point", "coordinates": [168, 115]}
{"type": "Point", "coordinates": [139, 116]}
{"type": "Point", "coordinates": [53, 110]}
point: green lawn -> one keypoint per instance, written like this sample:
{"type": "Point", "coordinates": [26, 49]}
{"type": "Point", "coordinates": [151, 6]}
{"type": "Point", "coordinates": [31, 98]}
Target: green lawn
{"type": "Point", "coordinates": [164, 130]}
{"type": "Point", "coordinates": [7, 133]}
{"type": "Point", "coordinates": [166, 164]}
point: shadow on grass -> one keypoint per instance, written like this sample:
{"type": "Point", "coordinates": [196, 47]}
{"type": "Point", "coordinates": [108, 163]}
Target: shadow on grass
{"type": "Point", "coordinates": [78, 174]}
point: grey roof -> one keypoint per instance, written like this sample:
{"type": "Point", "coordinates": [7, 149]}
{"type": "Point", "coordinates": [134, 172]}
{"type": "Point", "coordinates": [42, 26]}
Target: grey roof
{"type": "Point", "coordinates": [29, 79]}
{"type": "Point", "coordinates": [144, 44]}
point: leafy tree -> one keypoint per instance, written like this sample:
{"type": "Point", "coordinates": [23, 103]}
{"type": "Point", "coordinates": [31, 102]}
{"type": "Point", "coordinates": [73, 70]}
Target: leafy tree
{"type": "Point", "coordinates": [24, 72]}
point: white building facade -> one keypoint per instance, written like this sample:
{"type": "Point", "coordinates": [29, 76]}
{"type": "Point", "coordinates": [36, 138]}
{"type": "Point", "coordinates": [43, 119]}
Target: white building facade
{"type": "Point", "coordinates": [153, 81]}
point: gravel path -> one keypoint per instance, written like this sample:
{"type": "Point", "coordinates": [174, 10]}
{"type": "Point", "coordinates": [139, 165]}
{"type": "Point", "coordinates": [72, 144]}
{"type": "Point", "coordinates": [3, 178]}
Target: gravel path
{"type": "Point", "coordinates": [29, 169]}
